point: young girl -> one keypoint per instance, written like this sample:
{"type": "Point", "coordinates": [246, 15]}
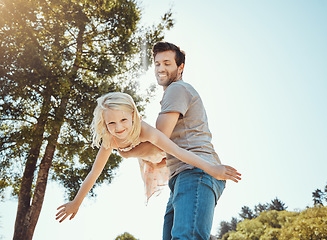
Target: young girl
{"type": "Point", "coordinates": [117, 125]}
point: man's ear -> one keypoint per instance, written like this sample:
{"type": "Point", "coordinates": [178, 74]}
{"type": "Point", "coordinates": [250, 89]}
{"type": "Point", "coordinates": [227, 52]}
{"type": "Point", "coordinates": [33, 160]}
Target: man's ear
{"type": "Point", "coordinates": [181, 68]}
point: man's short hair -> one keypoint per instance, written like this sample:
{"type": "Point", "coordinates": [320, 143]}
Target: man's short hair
{"type": "Point", "coordinates": [166, 46]}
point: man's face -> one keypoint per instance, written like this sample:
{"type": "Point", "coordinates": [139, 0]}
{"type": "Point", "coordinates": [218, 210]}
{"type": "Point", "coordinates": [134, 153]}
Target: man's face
{"type": "Point", "coordinates": [166, 69]}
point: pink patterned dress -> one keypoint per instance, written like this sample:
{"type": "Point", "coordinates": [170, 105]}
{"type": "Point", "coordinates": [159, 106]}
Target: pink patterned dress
{"type": "Point", "coordinates": [154, 178]}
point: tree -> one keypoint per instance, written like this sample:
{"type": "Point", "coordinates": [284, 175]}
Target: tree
{"type": "Point", "coordinates": [56, 58]}
{"type": "Point", "coordinates": [267, 226]}
{"type": "Point", "coordinates": [233, 224]}
{"type": "Point", "coordinates": [223, 229]}
{"type": "Point", "coordinates": [125, 236]}
{"type": "Point", "coordinates": [246, 213]}
{"type": "Point", "coordinates": [317, 196]}
{"type": "Point", "coordinates": [226, 227]}
{"type": "Point", "coordinates": [309, 224]}
{"type": "Point", "coordinates": [260, 208]}
{"type": "Point", "coordinates": [273, 222]}
{"type": "Point", "coordinates": [250, 229]}
{"type": "Point", "coordinates": [277, 205]}
{"type": "Point", "coordinates": [271, 234]}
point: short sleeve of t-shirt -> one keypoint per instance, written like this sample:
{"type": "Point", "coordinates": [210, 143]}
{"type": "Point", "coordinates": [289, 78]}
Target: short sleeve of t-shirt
{"type": "Point", "coordinates": [175, 99]}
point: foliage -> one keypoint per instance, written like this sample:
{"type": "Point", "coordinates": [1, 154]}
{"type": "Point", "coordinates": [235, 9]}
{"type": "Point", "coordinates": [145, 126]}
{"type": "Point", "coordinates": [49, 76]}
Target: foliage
{"type": "Point", "coordinates": [319, 197]}
{"type": "Point", "coordinates": [271, 221]}
{"type": "Point", "coordinates": [309, 224]}
{"type": "Point", "coordinates": [226, 227]}
{"type": "Point", "coordinates": [260, 208]}
{"type": "Point", "coordinates": [56, 58]}
{"type": "Point", "coordinates": [283, 225]}
{"type": "Point", "coordinates": [246, 213]}
{"type": "Point", "coordinates": [55, 53]}
{"type": "Point", "coordinates": [277, 205]}
{"type": "Point", "coordinates": [251, 230]}
{"type": "Point", "coordinates": [125, 236]}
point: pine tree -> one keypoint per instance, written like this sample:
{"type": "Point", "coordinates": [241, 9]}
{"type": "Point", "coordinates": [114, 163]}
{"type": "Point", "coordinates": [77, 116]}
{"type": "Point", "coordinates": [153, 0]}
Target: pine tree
{"type": "Point", "coordinates": [317, 196]}
{"type": "Point", "coordinates": [224, 228]}
{"type": "Point", "coordinates": [260, 208]}
{"type": "Point", "coordinates": [246, 213]}
{"type": "Point", "coordinates": [277, 205]}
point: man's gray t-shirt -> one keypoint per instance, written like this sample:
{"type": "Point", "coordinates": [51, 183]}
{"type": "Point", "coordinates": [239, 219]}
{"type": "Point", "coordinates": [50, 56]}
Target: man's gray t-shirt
{"type": "Point", "coordinates": [191, 131]}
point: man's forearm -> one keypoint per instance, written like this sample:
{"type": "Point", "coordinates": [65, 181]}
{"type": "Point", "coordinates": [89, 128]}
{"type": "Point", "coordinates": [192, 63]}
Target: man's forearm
{"type": "Point", "coordinates": [143, 150]}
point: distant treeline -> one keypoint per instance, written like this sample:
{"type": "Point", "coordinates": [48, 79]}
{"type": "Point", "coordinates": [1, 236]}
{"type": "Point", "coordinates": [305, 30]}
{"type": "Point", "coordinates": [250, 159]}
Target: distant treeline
{"type": "Point", "coordinates": [271, 221]}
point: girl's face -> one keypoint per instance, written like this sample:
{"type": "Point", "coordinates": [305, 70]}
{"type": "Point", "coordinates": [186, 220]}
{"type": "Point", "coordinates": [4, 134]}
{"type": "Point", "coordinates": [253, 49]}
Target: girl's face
{"type": "Point", "coordinates": [118, 123]}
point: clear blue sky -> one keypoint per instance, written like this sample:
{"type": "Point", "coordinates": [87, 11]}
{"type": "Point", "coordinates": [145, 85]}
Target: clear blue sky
{"type": "Point", "coordinates": [261, 69]}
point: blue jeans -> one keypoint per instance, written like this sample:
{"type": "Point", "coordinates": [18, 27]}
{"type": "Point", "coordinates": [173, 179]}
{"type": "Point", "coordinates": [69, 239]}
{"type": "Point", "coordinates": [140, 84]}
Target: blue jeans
{"type": "Point", "coordinates": [190, 209]}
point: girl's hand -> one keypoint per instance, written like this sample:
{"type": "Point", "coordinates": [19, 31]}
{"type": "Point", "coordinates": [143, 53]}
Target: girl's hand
{"type": "Point", "coordinates": [224, 172]}
{"type": "Point", "coordinates": [70, 208]}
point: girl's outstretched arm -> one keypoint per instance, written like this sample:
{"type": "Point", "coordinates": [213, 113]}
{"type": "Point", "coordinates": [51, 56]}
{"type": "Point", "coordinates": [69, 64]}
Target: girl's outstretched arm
{"type": "Point", "coordinates": [72, 207]}
{"type": "Point", "coordinates": [159, 139]}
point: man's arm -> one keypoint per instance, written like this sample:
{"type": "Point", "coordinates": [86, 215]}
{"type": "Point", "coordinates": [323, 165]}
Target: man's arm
{"type": "Point", "coordinates": [142, 150]}
{"type": "Point", "coordinates": [165, 123]}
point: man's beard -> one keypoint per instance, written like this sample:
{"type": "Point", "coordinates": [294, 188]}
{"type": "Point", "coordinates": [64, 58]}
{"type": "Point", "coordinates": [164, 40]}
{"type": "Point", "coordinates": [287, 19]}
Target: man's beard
{"type": "Point", "coordinates": [172, 78]}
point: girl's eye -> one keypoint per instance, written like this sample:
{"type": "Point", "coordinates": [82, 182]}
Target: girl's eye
{"type": "Point", "coordinates": [124, 119]}
{"type": "Point", "coordinates": [111, 123]}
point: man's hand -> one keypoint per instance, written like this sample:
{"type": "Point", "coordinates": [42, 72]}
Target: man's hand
{"type": "Point", "coordinates": [156, 165]}
{"type": "Point", "coordinates": [224, 172]}
{"type": "Point", "coordinates": [125, 154]}
{"type": "Point", "coordinates": [143, 150]}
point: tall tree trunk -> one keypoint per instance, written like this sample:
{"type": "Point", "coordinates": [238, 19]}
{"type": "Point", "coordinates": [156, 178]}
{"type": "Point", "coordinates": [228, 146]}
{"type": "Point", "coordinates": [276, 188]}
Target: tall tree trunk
{"type": "Point", "coordinates": [27, 213]}
{"type": "Point", "coordinates": [24, 197]}
{"type": "Point", "coordinates": [34, 211]}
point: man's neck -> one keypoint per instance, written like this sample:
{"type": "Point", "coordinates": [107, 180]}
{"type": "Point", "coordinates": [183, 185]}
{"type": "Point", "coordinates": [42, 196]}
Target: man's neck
{"type": "Point", "coordinates": [165, 87]}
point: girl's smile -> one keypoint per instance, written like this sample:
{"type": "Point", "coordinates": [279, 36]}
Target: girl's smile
{"type": "Point", "coordinates": [118, 123]}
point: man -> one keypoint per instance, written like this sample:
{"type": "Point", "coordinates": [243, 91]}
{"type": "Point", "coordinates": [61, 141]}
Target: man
{"type": "Point", "coordinates": [194, 193]}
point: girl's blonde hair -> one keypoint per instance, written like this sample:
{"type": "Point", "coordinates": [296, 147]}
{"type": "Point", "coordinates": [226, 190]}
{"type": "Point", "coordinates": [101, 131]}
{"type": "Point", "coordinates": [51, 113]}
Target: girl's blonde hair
{"type": "Point", "coordinates": [115, 101]}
